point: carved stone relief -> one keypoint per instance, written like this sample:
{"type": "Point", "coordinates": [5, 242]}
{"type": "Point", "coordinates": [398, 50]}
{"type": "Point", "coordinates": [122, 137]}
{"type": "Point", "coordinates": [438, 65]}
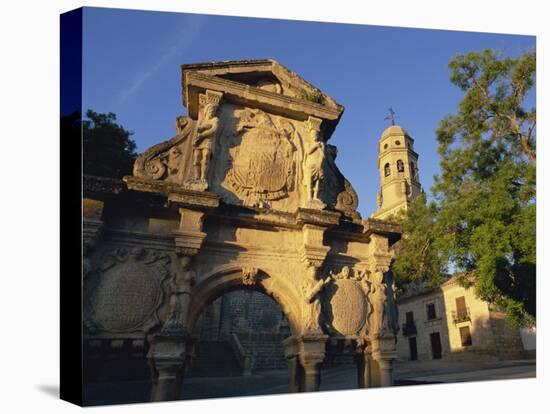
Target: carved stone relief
{"type": "Point", "coordinates": [250, 275]}
{"type": "Point", "coordinates": [311, 301]}
{"type": "Point", "coordinates": [383, 319]}
{"type": "Point", "coordinates": [125, 292]}
{"type": "Point", "coordinates": [166, 161]}
{"type": "Point", "coordinates": [204, 139]}
{"type": "Point", "coordinates": [346, 303]}
{"type": "Point", "coordinates": [262, 167]}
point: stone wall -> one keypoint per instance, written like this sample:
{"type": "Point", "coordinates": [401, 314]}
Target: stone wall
{"type": "Point", "coordinates": [424, 326]}
{"type": "Point", "coordinates": [256, 319]}
{"type": "Point", "coordinates": [491, 336]}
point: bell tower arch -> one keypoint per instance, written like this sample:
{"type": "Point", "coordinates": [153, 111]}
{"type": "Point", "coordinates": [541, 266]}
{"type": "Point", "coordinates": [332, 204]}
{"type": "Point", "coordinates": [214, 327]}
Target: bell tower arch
{"type": "Point", "coordinates": [398, 168]}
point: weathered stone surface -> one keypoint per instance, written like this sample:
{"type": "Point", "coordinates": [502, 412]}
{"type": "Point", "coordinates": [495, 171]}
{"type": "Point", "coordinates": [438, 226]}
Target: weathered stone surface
{"type": "Point", "coordinates": [348, 307]}
{"type": "Point", "coordinates": [125, 291]}
{"type": "Point", "coordinates": [246, 195]}
{"type": "Point", "coordinates": [254, 144]}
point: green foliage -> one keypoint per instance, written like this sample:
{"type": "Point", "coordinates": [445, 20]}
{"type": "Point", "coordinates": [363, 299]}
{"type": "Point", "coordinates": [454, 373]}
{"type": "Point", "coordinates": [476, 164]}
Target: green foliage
{"type": "Point", "coordinates": [482, 222]}
{"type": "Point", "coordinates": [108, 150]}
{"type": "Point", "coordinates": [416, 257]}
{"type": "Point", "coordinates": [485, 195]}
{"type": "Point", "coordinates": [314, 96]}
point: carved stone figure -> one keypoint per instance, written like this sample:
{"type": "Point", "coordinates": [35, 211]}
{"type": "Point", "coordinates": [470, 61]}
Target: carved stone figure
{"type": "Point", "coordinates": [311, 291]}
{"type": "Point", "coordinates": [206, 130]}
{"type": "Point", "coordinates": [180, 298]}
{"type": "Point", "coordinates": [383, 321]}
{"type": "Point", "coordinates": [314, 165]}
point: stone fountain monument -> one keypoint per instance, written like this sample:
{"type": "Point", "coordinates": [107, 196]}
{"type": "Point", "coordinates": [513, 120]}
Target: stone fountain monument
{"type": "Point", "coordinates": [247, 194]}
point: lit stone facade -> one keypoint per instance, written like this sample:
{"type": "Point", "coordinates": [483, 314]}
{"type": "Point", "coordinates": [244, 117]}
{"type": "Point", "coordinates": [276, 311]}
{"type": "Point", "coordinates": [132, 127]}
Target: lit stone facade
{"type": "Point", "coordinates": [246, 195]}
{"type": "Point", "coordinates": [398, 168]}
{"type": "Point", "coordinates": [460, 327]}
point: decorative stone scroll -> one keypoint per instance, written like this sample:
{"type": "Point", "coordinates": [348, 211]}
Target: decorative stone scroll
{"type": "Point", "coordinates": [125, 293]}
{"type": "Point", "coordinates": [165, 161]}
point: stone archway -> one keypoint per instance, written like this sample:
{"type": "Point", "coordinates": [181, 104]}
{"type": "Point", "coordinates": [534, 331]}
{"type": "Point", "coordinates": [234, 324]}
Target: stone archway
{"type": "Point", "coordinates": [229, 278]}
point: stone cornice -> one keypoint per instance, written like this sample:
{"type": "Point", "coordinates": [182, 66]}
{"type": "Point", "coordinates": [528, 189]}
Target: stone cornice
{"type": "Point", "coordinates": [176, 194]}
{"type": "Point", "coordinates": [385, 228]}
{"type": "Point", "coordinates": [240, 93]}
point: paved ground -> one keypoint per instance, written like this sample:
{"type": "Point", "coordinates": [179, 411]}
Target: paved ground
{"type": "Point", "coordinates": [345, 377]}
{"type": "Point", "coordinates": [444, 371]}
{"type": "Point", "coordinates": [340, 378]}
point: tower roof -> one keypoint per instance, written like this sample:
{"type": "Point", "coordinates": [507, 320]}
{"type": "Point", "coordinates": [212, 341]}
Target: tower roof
{"type": "Point", "coordinates": [394, 130]}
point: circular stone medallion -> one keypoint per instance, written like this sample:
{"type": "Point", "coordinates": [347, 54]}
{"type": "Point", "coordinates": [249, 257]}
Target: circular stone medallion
{"type": "Point", "coordinates": [347, 307]}
{"type": "Point", "coordinates": [126, 296]}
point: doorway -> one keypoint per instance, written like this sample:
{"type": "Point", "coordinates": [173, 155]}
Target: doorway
{"type": "Point", "coordinates": [435, 341]}
{"type": "Point", "coordinates": [413, 350]}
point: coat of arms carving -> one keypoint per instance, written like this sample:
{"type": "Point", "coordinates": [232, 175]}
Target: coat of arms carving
{"type": "Point", "coordinates": [263, 165]}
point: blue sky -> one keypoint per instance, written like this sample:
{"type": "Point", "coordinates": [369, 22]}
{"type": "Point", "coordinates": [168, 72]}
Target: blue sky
{"type": "Point", "coordinates": [132, 67]}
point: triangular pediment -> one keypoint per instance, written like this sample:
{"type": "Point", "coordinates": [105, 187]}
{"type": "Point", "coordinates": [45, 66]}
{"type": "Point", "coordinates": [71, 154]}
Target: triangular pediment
{"type": "Point", "coordinates": [265, 77]}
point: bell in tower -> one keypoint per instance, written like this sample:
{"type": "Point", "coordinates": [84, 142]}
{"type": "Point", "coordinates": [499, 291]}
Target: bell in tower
{"type": "Point", "coordinates": [398, 167]}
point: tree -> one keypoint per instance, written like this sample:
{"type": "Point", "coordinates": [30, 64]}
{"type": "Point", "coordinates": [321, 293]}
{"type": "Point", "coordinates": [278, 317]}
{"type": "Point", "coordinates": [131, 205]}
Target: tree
{"type": "Point", "coordinates": [416, 257]}
{"type": "Point", "coordinates": [108, 150]}
{"type": "Point", "coordinates": [481, 224]}
{"type": "Point", "coordinates": [486, 192]}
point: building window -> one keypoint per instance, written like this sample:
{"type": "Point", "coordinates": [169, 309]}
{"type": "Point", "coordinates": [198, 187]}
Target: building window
{"type": "Point", "coordinates": [385, 146]}
{"type": "Point", "coordinates": [413, 170]}
{"type": "Point", "coordinates": [462, 313]}
{"type": "Point", "coordinates": [409, 318]}
{"type": "Point", "coordinates": [387, 170]}
{"type": "Point", "coordinates": [465, 337]}
{"type": "Point", "coordinates": [400, 166]}
{"type": "Point", "coordinates": [409, 328]}
{"type": "Point", "coordinates": [430, 311]}
{"type": "Point", "coordinates": [397, 143]}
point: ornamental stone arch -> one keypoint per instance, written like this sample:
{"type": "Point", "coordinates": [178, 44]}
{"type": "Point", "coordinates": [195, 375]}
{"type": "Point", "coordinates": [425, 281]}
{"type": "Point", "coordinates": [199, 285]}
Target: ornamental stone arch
{"type": "Point", "coordinates": [230, 277]}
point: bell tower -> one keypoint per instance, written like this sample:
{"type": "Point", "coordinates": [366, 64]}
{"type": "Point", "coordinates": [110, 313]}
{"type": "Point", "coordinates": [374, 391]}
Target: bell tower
{"type": "Point", "coordinates": [398, 168]}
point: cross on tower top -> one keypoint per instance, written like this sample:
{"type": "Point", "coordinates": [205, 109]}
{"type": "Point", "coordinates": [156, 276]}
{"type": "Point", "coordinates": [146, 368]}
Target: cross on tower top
{"type": "Point", "coordinates": [391, 117]}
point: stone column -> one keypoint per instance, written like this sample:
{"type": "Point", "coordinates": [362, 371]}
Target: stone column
{"type": "Point", "coordinates": [383, 353]}
{"type": "Point", "coordinates": [385, 369]}
{"type": "Point", "coordinates": [294, 374]}
{"type": "Point", "coordinates": [374, 372]}
{"type": "Point", "coordinates": [167, 359]}
{"type": "Point", "coordinates": [311, 379]}
{"type": "Point", "coordinates": [294, 368]}
{"type": "Point", "coordinates": [312, 353]}
{"type": "Point", "coordinates": [173, 347]}
{"type": "Point", "coordinates": [365, 377]}
{"type": "Point", "coordinates": [304, 354]}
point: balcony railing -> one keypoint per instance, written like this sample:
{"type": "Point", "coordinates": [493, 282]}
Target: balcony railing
{"type": "Point", "coordinates": [409, 329]}
{"type": "Point", "coordinates": [462, 316]}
